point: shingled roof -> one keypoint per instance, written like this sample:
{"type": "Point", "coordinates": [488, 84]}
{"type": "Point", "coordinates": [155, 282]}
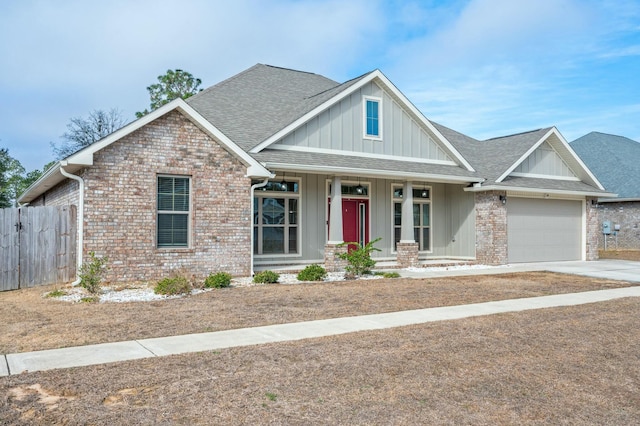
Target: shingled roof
{"type": "Point", "coordinates": [249, 116]}
{"type": "Point", "coordinates": [615, 160]}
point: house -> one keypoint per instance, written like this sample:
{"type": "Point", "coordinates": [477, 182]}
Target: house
{"type": "Point", "coordinates": [615, 160]}
{"type": "Point", "coordinates": [276, 167]}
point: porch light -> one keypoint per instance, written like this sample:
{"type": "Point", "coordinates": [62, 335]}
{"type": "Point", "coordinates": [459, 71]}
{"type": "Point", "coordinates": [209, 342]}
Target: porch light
{"type": "Point", "coordinates": [283, 184]}
{"type": "Point", "coordinates": [424, 193]}
{"type": "Point", "coordinates": [359, 188]}
{"type": "Point", "coordinates": [503, 199]}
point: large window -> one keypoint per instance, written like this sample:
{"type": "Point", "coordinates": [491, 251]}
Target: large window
{"type": "Point", "coordinates": [173, 211]}
{"type": "Point", "coordinates": [421, 216]}
{"type": "Point", "coordinates": [276, 209]}
{"type": "Point", "coordinates": [372, 118]}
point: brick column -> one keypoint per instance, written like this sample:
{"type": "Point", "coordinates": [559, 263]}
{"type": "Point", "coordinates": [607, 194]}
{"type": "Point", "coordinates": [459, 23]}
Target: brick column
{"type": "Point", "coordinates": [407, 255]}
{"type": "Point", "coordinates": [491, 228]}
{"type": "Point", "coordinates": [593, 229]}
{"type": "Point", "coordinates": [332, 263]}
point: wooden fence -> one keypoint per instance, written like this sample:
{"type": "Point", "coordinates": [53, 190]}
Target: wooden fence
{"type": "Point", "coordinates": [37, 246]}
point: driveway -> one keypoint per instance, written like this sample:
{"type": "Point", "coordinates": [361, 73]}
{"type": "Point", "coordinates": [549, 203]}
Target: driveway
{"type": "Point", "coordinates": [623, 270]}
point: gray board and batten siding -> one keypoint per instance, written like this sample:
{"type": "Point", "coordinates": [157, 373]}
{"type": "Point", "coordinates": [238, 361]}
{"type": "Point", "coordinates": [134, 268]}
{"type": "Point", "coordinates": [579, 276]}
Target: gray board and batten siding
{"type": "Point", "coordinates": [340, 129]}
{"type": "Point", "coordinates": [452, 219]}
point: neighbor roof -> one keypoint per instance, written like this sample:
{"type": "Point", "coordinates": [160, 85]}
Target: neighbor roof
{"type": "Point", "coordinates": [615, 160]}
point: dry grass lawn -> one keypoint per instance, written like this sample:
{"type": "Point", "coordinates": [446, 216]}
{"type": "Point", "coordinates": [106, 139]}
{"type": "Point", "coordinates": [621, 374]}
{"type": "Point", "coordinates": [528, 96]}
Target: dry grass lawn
{"type": "Point", "coordinates": [571, 365]}
{"type": "Point", "coordinates": [620, 254]}
{"type": "Point", "coordinates": [31, 322]}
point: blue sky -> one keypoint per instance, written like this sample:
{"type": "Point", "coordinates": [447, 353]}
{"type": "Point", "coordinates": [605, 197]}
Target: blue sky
{"type": "Point", "coordinates": [485, 68]}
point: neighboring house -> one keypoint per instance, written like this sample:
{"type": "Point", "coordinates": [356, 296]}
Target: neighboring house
{"type": "Point", "coordinates": [615, 160]}
{"type": "Point", "coordinates": [278, 167]}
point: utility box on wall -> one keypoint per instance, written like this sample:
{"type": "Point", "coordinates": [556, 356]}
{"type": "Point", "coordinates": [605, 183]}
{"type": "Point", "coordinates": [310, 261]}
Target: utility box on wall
{"type": "Point", "coordinates": [606, 227]}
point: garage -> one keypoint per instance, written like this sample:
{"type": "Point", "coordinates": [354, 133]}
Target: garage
{"type": "Point", "coordinates": [542, 230]}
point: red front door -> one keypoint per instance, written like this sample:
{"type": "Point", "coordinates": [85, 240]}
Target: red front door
{"type": "Point", "coordinates": [355, 222]}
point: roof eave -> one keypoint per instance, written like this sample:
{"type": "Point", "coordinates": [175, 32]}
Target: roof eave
{"type": "Point", "coordinates": [374, 173]}
{"type": "Point", "coordinates": [602, 194]}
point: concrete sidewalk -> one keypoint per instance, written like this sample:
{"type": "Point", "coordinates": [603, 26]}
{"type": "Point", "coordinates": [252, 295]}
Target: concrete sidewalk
{"type": "Point", "coordinates": [162, 346]}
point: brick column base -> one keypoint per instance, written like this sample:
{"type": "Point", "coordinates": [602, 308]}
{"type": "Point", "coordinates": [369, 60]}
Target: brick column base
{"type": "Point", "coordinates": [332, 263]}
{"type": "Point", "coordinates": [407, 255]}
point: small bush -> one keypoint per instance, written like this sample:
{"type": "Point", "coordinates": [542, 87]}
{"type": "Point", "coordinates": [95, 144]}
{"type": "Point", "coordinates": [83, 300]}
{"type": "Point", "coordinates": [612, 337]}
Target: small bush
{"type": "Point", "coordinates": [266, 277]}
{"type": "Point", "coordinates": [56, 293]}
{"type": "Point", "coordinates": [218, 280]}
{"type": "Point", "coordinates": [91, 273]}
{"type": "Point", "coordinates": [172, 286]}
{"type": "Point", "coordinates": [391, 275]}
{"type": "Point", "coordinates": [89, 299]}
{"type": "Point", "coordinates": [359, 259]}
{"type": "Point", "coordinates": [312, 273]}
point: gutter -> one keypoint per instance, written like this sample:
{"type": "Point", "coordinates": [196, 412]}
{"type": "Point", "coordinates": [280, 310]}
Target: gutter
{"type": "Point", "coordinates": [80, 244]}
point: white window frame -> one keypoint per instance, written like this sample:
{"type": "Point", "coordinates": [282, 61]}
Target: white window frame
{"type": "Point", "coordinates": [364, 118]}
{"type": "Point", "coordinates": [189, 213]}
{"type": "Point", "coordinates": [416, 200]}
{"type": "Point", "coordinates": [259, 194]}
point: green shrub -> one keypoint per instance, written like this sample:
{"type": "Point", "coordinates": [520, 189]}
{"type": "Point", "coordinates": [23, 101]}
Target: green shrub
{"type": "Point", "coordinates": [312, 273]}
{"type": "Point", "coordinates": [218, 280]}
{"type": "Point", "coordinates": [56, 293]}
{"type": "Point", "coordinates": [391, 275]}
{"type": "Point", "coordinates": [91, 273]}
{"type": "Point", "coordinates": [266, 277]}
{"type": "Point", "coordinates": [89, 299]}
{"type": "Point", "coordinates": [172, 286]}
{"type": "Point", "coordinates": [359, 259]}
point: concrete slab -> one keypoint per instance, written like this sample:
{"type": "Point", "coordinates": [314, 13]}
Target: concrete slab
{"type": "Point", "coordinates": [4, 367]}
{"type": "Point", "coordinates": [77, 356]}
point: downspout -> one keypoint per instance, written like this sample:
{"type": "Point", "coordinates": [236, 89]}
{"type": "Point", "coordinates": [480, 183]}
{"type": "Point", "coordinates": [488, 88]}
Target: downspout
{"type": "Point", "coordinates": [253, 188]}
{"type": "Point", "coordinates": [79, 246]}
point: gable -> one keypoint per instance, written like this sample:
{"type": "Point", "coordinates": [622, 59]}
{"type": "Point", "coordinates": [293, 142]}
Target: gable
{"type": "Point", "coordinates": [339, 129]}
{"type": "Point", "coordinates": [544, 162]}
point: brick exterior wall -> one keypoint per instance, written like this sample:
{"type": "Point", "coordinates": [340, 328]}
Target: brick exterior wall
{"type": "Point", "coordinates": [593, 229]}
{"type": "Point", "coordinates": [120, 204]}
{"type": "Point", "coordinates": [627, 215]}
{"type": "Point", "coordinates": [491, 228]}
{"type": "Point", "coordinates": [63, 194]}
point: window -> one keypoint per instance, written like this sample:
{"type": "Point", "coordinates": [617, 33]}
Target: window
{"type": "Point", "coordinates": [373, 118]}
{"type": "Point", "coordinates": [421, 217]}
{"type": "Point", "coordinates": [276, 209]}
{"type": "Point", "coordinates": [173, 208]}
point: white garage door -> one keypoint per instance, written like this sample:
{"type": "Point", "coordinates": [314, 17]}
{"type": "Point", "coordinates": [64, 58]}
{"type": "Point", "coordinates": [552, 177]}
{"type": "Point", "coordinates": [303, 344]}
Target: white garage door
{"type": "Point", "coordinates": [543, 230]}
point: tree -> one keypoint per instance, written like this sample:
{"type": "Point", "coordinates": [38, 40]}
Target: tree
{"type": "Point", "coordinates": [172, 85]}
{"type": "Point", "coordinates": [13, 181]}
{"type": "Point", "coordinates": [83, 132]}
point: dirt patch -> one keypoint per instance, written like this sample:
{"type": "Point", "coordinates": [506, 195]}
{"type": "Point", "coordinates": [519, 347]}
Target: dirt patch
{"type": "Point", "coordinates": [31, 322]}
{"type": "Point", "coordinates": [620, 254]}
{"type": "Point", "coordinates": [570, 365]}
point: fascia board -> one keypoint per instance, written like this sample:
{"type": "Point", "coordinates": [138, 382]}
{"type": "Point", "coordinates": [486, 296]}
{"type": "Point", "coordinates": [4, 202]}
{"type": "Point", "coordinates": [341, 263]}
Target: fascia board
{"type": "Point", "coordinates": [348, 171]}
{"type": "Point", "coordinates": [376, 74]}
{"type": "Point", "coordinates": [408, 104]}
{"type": "Point", "coordinates": [50, 175]}
{"type": "Point", "coordinates": [524, 156]}
{"type": "Point", "coordinates": [254, 168]}
{"type": "Point", "coordinates": [85, 156]}
{"type": "Point", "coordinates": [577, 159]}
{"type": "Point", "coordinates": [539, 191]}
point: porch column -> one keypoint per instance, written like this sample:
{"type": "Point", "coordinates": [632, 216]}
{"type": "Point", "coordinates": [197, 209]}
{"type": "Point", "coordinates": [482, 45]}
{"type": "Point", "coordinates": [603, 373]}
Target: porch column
{"type": "Point", "coordinates": [406, 231]}
{"type": "Point", "coordinates": [335, 213]}
{"type": "Point", "coordinates": [407, 248]}
{"type": "Point", "coordinates": [333, 249]}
